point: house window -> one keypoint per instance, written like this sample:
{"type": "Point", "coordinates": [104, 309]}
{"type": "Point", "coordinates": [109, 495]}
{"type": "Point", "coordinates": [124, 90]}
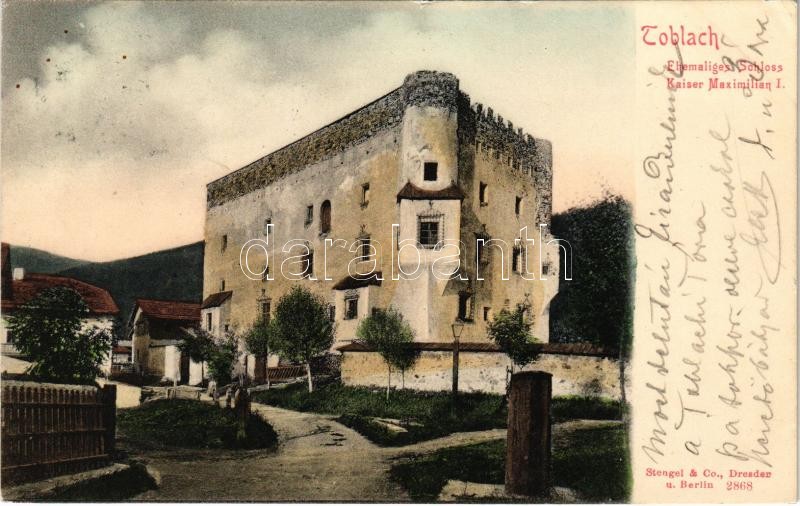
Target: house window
{"type": "Point", "coordinates": [221, 285]}
{"type": "Point", "coordinates": [486, 310]}
{"type": "Point", "coordinates": [308, 264]}
{"type": "Point", "coordinates": [224, 242]}
{"type": "Point", "coordinates": [364, 195]}
{"type": "Point", "coordinates": [267, 224]}
{"type": "Point", "coordinates": [518, 259]}
{"type": "Point", "coordinates": [331, 312]}
{"type": "Point", "coordinates": [465, 306]}
{"type": "Point", "coordinates": [10, 337]}
{"type": "Point", "coordinates": [430, 230]}
{"type": "Point", "coordinates": [325, 217]}
{"type": "Point", "coordinates": [309, 215]}
{"type": "Point", "coordinates": [208, 322]}
{"type": "Point", "coordinates": [364, 250]}
{"type": "Point", "coordinates": [430, 171]}
{"type": "Point", "coordinates": [351, 307]}
{"type": "Point", "coordinates": [518, 206]}
{"type": "Point", "coordinates": [266, 311]}
{"type": "Point", "coordinates": [483, 194]}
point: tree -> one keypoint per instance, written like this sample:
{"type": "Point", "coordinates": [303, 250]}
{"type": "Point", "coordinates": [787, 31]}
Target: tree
{"type": "Point", "coordinates": [389, 334]}
{"type": "Point", "coordinates": [50, 330]}
{"type": "Point", "coordinates": [512, 333]}
{"type": "Point", "coordinates": [259, 340]}
{"type": "Point", "coordinates": [221, 358]}
{"type": "Point", "coordinates": [198, 345]}
{"type": "Point", "coordinates": [302, 327]}
{"type": "Point", "coordinates": [596, 306]}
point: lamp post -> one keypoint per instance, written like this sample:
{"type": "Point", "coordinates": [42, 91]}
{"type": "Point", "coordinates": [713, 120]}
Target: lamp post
{"type": "Point", "coordinates": [457, 327]}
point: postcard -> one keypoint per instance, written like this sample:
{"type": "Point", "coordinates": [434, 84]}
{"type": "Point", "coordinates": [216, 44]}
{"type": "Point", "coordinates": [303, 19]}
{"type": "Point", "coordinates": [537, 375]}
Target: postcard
{"type": "Point", "coordinates": [399, 252]}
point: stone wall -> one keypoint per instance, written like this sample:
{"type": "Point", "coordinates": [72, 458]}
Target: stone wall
{"type": "Point", "coordinates": [486, 372]}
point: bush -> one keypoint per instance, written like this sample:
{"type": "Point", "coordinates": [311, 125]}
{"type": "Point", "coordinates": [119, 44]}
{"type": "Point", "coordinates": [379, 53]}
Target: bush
{"type": "Point", "coordinates": [191, 424]}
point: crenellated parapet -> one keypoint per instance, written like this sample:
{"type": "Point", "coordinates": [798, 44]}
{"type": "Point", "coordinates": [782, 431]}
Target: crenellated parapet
{"type": "Point", "coordinates": [328, 141]}
{"type": "Point", "coordinates": [491, 134]}
{"type": "Point", "coordinates": [496, 137]}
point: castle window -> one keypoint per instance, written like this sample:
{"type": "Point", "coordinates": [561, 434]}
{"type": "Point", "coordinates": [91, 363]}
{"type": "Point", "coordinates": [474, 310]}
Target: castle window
{"type": "Point", "coordinates": [486, 310]}
{"type": "Point", "coordinates": [364, 249]}
{"type": "Point", "coordinates": [266, 311]}
{"type": "Point", "coordinates": [331, 312]}
{"type": "Point", "coordinates": [227, 328]}
{"type": "Point", "coordinates": [351, 307]}
{"type": "Point", "coordinates": [222, 285]}
{"type": "Point", "coordinates": [518, 206]}
{"type": "Point", "coordinates": [308, 264]}
{"type": "Point", "coordinates": [430, 230]}
{"type": "Point", "coordinates": [267, 223]}
{"type": "Point", "coordinates": [430, 171]}
{"type": "Point", "coordinates": [518, 259]}
{"type": "Point", "coordinates": [483, 194]}
{"type": "Point", "coordinates": [208, 322]}
{"type": "Point", "coordinates": [325, 217]}
{"type": "Point", "coordinates": [309, 215]}
{"type": "Point", "coordinates": [224, 245]}
{"type": "Point", "coordinates": [465, 306]}
{"type": "Point", "coordinates": [364, 195]}
{"type": "Point", "coordinates": [265, 274]}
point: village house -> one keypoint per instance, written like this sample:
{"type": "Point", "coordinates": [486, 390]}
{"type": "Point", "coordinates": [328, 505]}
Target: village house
{"type": "Point", "coordinates": [156, 330]}
{"type": "Point", "coordinates": [19, 287]}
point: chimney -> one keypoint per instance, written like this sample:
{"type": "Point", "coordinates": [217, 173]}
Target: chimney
{"type": "Point", "coordinates": [19, 273]}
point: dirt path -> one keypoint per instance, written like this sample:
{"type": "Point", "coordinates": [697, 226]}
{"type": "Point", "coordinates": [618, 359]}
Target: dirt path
{"type": "Point", "coordinates": [317, 459]}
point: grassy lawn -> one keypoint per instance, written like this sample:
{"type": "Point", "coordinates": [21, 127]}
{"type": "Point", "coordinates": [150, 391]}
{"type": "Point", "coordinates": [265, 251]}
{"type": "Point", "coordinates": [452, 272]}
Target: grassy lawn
{"type": "Point", "coordinates": [594, 462]}
{"type": "Point", "coordinates": [190, 424]}
{"type": "Point", "coordinates": [424, 415]}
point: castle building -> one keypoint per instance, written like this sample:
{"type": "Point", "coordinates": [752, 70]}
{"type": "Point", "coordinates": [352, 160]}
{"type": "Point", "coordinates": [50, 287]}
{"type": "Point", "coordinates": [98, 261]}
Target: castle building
{"type": "Point", "coordinates": [420, 185]}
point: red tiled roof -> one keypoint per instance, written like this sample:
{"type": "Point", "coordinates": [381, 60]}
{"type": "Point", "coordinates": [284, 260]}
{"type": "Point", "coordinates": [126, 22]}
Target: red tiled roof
{"type": "Point", "coordinates": [586, 349]}
{"type": "Point", "coordinates": [169, 309]}
{"type": "Point", "coordinates": [23, 290]}
{"type": "Point", "coordinates": [412, 192]}
{"type": "Point", "coordinates": [359, 281]}
{"type": "Point", "coordinates": [216, 299]}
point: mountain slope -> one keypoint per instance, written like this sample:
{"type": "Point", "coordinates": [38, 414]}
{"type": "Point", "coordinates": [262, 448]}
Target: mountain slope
{"type": "Point", "coordinates": [173, 274]}
{"type": "Point", "coordinates": [36, 260]}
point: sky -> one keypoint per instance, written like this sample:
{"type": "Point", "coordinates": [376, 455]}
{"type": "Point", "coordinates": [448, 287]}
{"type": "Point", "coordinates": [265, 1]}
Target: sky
{"type": "Point", "coordinates": [116, 115]}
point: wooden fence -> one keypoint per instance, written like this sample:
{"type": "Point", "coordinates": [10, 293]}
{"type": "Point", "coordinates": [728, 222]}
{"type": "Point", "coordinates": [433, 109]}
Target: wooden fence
{"type": "Point", "coordinates": [50, 429]}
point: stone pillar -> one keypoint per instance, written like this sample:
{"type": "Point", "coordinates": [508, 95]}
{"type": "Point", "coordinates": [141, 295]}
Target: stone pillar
{"type": "Point", "coordinates": [528, 439]}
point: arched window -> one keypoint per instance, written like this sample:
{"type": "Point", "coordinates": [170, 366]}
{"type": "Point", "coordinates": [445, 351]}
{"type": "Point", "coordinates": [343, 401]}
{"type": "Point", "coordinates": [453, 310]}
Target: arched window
{"type": "Point", "coordinates": [325, 217]}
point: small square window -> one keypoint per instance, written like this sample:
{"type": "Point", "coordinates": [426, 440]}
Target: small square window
{"type": "Point", "coordinates": [518, 259]}
{"type": "Point", "coordinates": [364, 249]}
{"type": "Point", "coordinates": [428, 232]}
{"type": "Point", "coordinates": [431, 170]}
{"type": "Point", "coordinates": [483, 194]}
{"type": "Point", "coordinates": [351, 308]}
{"type": "Point", "coordinates": [465, 306]}
{"type": "Point", "coordinates": [308, 264]}
{"type": "Point", "coordinates": [364, 195]}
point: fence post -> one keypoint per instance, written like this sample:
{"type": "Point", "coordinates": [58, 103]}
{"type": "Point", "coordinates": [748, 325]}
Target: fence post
{"type": "Point", "coordinates": [110, 416]}
{"type": "Point", "coordinates": [528, 439]}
